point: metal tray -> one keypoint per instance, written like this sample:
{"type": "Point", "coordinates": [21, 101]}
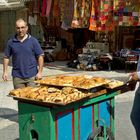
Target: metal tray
{"type": "Point", "coordinates": [128, 86]}
{"type": "Point", "coordinates": [46, 103]}
{"type": "Point", "coordinates": [92, 89]}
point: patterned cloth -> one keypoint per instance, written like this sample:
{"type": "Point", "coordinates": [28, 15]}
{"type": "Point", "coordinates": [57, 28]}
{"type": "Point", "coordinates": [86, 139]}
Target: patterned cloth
{"type": "Point", "coordinates": [62, 7]}
{"type": "Point", "coordinates": [101, 18]}
{"type": "Point", "coordinates": [126, 13]}
{"type": "Point", "coordinates": [68, 14]}
{"type": "Point", "coordinates": [81, 13]}
{"type": "Point", "coordinates": [97, 15]}
{"type": "Point", "coordinates": [56, 13]}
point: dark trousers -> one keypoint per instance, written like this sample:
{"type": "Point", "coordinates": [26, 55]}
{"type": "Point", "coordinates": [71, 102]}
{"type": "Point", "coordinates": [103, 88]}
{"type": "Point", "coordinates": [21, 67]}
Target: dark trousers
{"type": "Point", "coordinates": [135, 113]}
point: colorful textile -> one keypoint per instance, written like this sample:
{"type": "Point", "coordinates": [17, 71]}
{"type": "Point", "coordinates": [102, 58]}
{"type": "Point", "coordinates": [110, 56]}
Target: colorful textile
{"type": "Point", "coordinates": [44, 6]}
{"type": "Point", "coordinates": [48, 8]}
{"type": "Point", "coordinates": [55, 8]}
{"type": "Point", "coordinates": [126, 13]}
{"type": "Point", "coordinates": [81, 13]}
{"type": "Point", "coordinates": [62, 7]}
{"type": "Point", "coordinates": [68, 14]}
{"type": "Point", "coordinates": [56, 13]}
{"type": "Point", "coordinates": [101, 18]}
{"type": "Point", "coordinates": [97, 15]}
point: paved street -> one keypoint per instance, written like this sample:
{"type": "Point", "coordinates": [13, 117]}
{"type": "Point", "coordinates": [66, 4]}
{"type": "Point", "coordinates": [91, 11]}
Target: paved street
{"type": "Point", "coordinates": [9, 111]}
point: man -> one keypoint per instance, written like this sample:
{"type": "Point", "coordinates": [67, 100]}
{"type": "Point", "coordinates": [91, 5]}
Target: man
{"type": "Point", "coordinates": [27, 57]}
{"type": "Point", "coordinates": [135, 113]}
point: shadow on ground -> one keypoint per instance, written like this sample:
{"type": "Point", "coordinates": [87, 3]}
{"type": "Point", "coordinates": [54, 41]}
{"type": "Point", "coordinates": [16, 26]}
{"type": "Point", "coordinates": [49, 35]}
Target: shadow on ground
{"type": "Point", "coordinates": [9, 114]}
{"type": "Point", "coordinates": [11, 132]}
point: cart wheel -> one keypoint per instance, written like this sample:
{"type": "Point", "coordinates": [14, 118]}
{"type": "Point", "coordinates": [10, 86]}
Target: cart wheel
{"type": "Point", "coordinates": [98, 134]}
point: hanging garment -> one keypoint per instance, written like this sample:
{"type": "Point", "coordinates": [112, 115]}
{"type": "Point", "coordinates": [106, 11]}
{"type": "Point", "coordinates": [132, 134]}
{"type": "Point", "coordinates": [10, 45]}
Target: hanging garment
{"type": "Point", "coordinates": [76, 14]}
{"type": "Point", "coordinates": [48, 8]}
{"type": "Point", "coordinates": [94, 16]}
{"type": "Point", "coordinates": [56, 8]}
{"type": "Point", "coordinates": [44, 6]}
{"type": "Point", "coordinates": [81, 13]}
{"type": "Point", "coordinates": [35, 8]}
{"type": "Point", "coordinates": [126, 13]}
{"type": "Point", "coordinates": [68, 14]}
{"type": "Point", "coordinates": [39, 5]}
{"type": "Point", "coordinates": [62, 7]}
{"type": "Point", "coordinates": [101, 18]}
{"type": "Point", "coordinates": [56, 13]}
{"type": "Point", "coordinates": [30, 8]}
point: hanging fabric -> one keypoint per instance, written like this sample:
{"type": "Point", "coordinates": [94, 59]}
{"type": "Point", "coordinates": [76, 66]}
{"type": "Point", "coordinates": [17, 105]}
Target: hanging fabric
{"type": "Point", "coordinates": [35, 7]}
{"type": "Point", "coordinates": [39, 5]}
{"type": "Point", "coordinates": [127, 13]}
{"type": "Point", "coordinates": [62, 7]}
{"type": "Point", "coordinates": [101, 18]}
{"type": "Point", "coordinates": [56, 13]}
{"type": "Point", "coordinates": [48, 8]}
{"type": "Point", "coordinates": [56, 8]}
{"type": "Point", "coordinates": [68, 14]}
{"type": "Point", "coordinates": [81, 14]}
{"type": "Point", "coordinates": [44, 6]}
{"type": "Point", "coordinates": [94, 15]}
{"type": "Point", "coordinates": [30, 8]}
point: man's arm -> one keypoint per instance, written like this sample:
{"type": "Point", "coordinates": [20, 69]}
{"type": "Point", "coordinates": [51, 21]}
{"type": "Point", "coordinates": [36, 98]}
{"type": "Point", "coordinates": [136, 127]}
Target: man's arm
{"type": "Point", "coordinates": [5, 69]}
{"type": "Point", "coordinates": [40, 66]}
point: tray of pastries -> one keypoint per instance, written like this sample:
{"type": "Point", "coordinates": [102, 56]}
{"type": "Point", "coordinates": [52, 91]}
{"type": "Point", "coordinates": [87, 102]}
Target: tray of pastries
{"type": "Point", "coordinates": [81, 81]}
{"type": "Point", "coordinates": [114, 84]}
{"type": "Point", "coordinates": [47, 94]}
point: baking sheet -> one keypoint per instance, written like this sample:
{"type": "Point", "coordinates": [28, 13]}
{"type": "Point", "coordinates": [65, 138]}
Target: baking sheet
{"type": "Point", "coordinates": [51, 103]}
{"type": "Point", "coordinates": [46, 103]}
{"type": "Point", "coordinates": [90, 89]}
{"type": "Point", "coordinates": [123, 88]}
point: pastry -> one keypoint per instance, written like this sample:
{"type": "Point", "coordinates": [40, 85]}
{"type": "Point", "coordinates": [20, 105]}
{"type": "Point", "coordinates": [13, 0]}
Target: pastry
{"type": "Point", "coordinates": [114, 83]}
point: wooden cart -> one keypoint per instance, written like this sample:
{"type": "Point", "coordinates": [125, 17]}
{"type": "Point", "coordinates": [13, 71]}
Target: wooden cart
{"type": "Point", "coordinates": [89, 118]}
{"type": "Point", "coordinates": [85, 119]}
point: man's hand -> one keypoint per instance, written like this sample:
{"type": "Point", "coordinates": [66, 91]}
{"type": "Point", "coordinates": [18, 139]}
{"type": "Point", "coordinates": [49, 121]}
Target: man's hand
{"type": "Point", "coordinates": [5, 76]}
{"type": "Point", "coordinates": [134, 76]}
{"type": "Point", "coordinates": [38, 76]}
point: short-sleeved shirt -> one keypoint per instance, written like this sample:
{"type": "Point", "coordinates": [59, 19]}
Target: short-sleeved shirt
{"type": "Point", "coordinates": [24, 56]}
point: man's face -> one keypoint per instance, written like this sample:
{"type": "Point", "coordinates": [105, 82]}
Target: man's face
{"type": "Point", "coordinates": [21, 28]}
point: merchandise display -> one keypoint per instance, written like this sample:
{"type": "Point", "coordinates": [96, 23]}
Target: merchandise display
{"type": "Point", "coordinates": [64, 89]}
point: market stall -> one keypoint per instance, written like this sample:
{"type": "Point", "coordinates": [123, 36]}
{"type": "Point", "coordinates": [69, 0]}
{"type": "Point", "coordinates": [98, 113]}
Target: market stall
{"type": "Point", "coordinates": [68, 108]}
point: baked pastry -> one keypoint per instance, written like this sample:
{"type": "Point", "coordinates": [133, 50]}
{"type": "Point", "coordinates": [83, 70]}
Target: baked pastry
{"type": "Point", "coordinates": [15, 93]}
{"type": "Point", "coordinates": [53, 90]}
{"type": "Point", "coordinates": [40, 97]}
{"type": "Point", "coordinates": [32, 95]}
{"type": "Point", "coordinates": [114, 83]}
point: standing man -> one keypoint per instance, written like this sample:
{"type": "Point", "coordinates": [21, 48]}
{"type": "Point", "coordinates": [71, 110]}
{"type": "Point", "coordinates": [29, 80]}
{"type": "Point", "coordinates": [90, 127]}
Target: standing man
{"type": "Point", "coordinates": [135, 113]}
{"type": "Point", "coordinates": [27, 57]}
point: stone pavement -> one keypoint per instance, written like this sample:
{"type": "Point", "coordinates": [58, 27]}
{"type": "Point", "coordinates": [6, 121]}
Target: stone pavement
{"type": "Point", "coordinates": [9, 111]}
